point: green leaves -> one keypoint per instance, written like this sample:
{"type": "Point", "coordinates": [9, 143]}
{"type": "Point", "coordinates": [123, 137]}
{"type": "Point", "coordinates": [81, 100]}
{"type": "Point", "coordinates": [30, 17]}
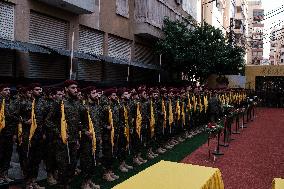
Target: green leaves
{"type": "Point", "coordinates": [198, 52]}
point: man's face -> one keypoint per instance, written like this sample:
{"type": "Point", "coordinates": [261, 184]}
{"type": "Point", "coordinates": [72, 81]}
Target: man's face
{"type": "Point", "coordinates": [59, 95]}
{"type": "Point", "coordinates": [72, 90]}
{"type": "Point", "coordinates": [94, 95]}
{"type": "Point", "coordinates": [155, 95]}
{"type": "Point", "coordinates": [29, 94]}
{"type": "Point", "coordinates": [144, 94]}
{"type": "Point", "coordinates": [5, 92]}
{"type": "Point", "coordinates": [37, 91]}
{"type": "Point", "coordinates": [126, 95]}
{"type": "Point", "coordinates": [113, 97]}
{"type": "Point", "coordinates": [135, 97]}
{"type": "Point", "coordinates": [79, 95]}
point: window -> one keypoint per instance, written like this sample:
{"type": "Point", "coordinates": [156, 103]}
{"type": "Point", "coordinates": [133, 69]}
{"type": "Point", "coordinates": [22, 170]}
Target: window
{"type": "Point", "coordinates": [258, 14]}
{"type": "Point", "coordinates": [122, 8]}
{"type": "Point", "coordinates": [281, 60]}
{"type": "Point", "coordinates": [6, 21]}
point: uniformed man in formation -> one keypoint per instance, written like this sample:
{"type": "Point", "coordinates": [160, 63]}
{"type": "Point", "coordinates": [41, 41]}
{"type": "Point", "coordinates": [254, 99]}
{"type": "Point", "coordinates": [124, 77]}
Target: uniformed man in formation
{"type": "Point", "coordinates": [99, 127]}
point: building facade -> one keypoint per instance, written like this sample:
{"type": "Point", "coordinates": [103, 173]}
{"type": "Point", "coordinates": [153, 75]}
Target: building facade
{"type": "Point", "coordinates": [255, 32]}
{"type": "Point", "coordinates": [109, 40]}
{"type": "Point", "coordinates": [276, 55]}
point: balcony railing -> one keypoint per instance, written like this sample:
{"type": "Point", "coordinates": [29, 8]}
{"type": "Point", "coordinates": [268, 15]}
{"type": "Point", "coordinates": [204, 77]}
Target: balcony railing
{"type": "Point", "coordinates": [153, 12]}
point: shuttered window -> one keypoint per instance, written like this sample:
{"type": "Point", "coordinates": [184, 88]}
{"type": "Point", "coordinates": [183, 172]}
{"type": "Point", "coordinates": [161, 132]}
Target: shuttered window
{"type": "Point", "coordinates": [7, 59]}
{"type": "Point", "coordinates": [90, 41]}
{"type": "Point", "coordinates": [6, 21]}
{"type": "Point", "coordinates": [89, 71]}
{"type": "Point", "coordinates": [119, 48]}
{"type": "Point", "coordinates": [144, 54]}
{"type": "Point", "coordinates": [115, 72]}
{"type": "Point", "coordinates": [122, 8]}
{"type": "Point", "coordinates": [44, 66]}
{"type": "Point", "coordinates": [48, 31]}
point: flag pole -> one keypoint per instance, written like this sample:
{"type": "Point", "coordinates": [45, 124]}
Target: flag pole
{"type": "Point", "coordinates": [160, 68]}
{"type": "Point", "coordinates": [72, 54]}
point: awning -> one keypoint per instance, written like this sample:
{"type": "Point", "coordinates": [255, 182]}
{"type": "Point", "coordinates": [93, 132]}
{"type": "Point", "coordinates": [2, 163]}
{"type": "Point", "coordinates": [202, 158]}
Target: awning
{"type": "Point", "coordinates": [76, 54]}
{"type": "Point", "coordinates": [146, 66]}
{"type": "Point", "coordinates": [22, 46]}
{"type": "Point", "coordinates": [126, 62]}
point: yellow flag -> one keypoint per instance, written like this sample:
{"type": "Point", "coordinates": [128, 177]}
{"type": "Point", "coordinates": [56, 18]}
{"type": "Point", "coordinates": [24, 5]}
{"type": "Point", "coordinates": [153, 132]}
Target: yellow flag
{"type": "Point", "coordinates": [34, 124]}
{"type": "Point", "coordinates": [200, 106]}
{"type": "Point", "coordinates": [171, 116]}
{"type": "Point", "coordinates": [183, 114]}
{"type": "Point", "coordinates": [110, 121]}
{"type": "Point", "coordinates": [126, 127]}
{"type": "Point", "coordinates": [152, 119]}
{"type": "Point", "coordinates": [205, 103]}
{"type": "Point", "coordinates": [194, 103]}
{"type": "Point", "coordinates": [93, 133]}
{"type": "Point", "coordinates": [164, 113]}
{"type": "Point", "coordinates": [178, 110]}
{"type": "Point", "coordinates": [138, 120]}
{"type": "Point", "coordinates": [20, 133]}
{"type": "Point", "coordinates": [63, 124]}
{"type": "Point", "coordinates": [2, 115]}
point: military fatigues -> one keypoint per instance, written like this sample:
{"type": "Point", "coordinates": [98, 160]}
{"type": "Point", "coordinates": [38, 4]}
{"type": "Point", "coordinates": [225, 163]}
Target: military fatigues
{"type": "Point", "coordinates": [6, 135]}
{"type": "Point", "coordinates": [75, 115]}
{"type": "Point", "coordinates": [31, 151]}
{"type": "Point", "coordinates": [88, 159]}
{"type": "Point", "coordinates": [136, 140]}
{"type": "Point", "coordinates": [109, 151]}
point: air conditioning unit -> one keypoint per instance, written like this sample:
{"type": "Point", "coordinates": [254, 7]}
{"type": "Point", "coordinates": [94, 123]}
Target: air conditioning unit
{"type": "Point", "coordinates": [179, 2]}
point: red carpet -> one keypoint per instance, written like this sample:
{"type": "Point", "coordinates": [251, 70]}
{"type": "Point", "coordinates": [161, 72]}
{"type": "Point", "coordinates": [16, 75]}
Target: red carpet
{"type": "Point", "coordinates": [254, 158]}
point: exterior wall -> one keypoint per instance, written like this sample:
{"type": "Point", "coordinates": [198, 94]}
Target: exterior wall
{"type": "Point", "coordinates": [255, 32]}
{"type": "Point", "coordinates": [276, 55]}
{"type": "Point", "coordinates": [252, 71]}
{"type": "Point", "coordinates": [108, 18]}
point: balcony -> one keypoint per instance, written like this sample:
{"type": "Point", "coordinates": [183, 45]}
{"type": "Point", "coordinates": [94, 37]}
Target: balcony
{"type": "Point", "coordinates": [75, 6]}
{"type": "Point", "coordinates": [149, 17]}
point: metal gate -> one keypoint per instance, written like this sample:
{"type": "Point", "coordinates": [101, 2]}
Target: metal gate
{"type": "Point", "coordinates": [271, 90]}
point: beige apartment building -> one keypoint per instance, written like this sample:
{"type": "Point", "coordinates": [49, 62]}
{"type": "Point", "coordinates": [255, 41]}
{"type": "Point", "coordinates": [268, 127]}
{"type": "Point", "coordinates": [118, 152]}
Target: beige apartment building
{"type": "Point", "coordinates": [255, 32]}
{"type": "Point", "coordinates": [276, 55]}
{"type": "Point", "coordinates": [112, 40]}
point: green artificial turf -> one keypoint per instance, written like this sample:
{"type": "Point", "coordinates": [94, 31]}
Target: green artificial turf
{"type": "Point", "coordinates": [176, 154]}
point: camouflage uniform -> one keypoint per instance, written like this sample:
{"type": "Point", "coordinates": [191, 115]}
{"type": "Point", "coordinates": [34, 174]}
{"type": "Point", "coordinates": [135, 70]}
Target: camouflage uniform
{"type": "Point", "coordinates": [75, 115]}
{"type": "Point", "coordinates": [6, 135]}
{"type": "Point", "coordinates": [108, 152]}
{"type": "Point", "coordinates": [31, 151]}
{"type": "Point", "coordinates": [88, 160]}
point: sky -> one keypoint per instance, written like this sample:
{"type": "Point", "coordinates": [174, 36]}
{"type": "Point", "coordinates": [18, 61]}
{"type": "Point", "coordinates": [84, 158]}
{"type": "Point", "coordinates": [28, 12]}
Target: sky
{"type": "Point", "coordinates": [268, 6]}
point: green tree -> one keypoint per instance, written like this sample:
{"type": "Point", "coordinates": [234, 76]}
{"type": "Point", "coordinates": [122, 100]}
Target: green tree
{"type": "Point", "coordinates": [198, 51]}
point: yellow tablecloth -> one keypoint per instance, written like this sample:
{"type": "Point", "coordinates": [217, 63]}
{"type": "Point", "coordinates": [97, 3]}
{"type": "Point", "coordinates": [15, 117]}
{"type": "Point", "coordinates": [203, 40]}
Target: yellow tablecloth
{"type": "Point", "coordinates": [171, 175]}
{"type": "Point", "coordinates": [278, 183]}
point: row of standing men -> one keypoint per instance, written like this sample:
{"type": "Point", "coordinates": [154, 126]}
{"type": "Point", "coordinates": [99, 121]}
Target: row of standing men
{"type": "Point", "coordinates": [98, 127]}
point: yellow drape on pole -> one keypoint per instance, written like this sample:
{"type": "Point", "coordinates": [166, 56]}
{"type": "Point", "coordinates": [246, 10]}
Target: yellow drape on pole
{"type": "Point", "coordinates": [188, 107]}
{"type": "Point", "coordinates": [194, 103]}
{"type": "Point", "coordinates": [152, 119]}
{"type": "Point", "coordinates": [138, 120]}
{"type": "Point", "coordinates": [178, 110]}
{"type": "Point", "coordinates": [126, 127]}
{"type": "Point", "coordinates": [171, 116]}
{"type": "Point", "coordinates": [200, 105]}
{"type": "Point", "coordinates": [183, 114]}
{"type": "Point", "coordinates": [205, 103]}
{"type": "Point", "coordinates": [20, 133]}
{"type": "Point", "coordinates": [2, 115]}
{"type": "Point", "coordinates": [164, 113]}
{"type": "Point", "coordinates": [63, 125]}
{"type": "Point", "coordinates": [33, 124]}
{"type": "Point", "coordinates": [110, 121]}
{"type": "Point", "coordinates": [93, 133]}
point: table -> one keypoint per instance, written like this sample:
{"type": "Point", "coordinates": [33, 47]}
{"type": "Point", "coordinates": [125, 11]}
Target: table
{"type": "Point", "coordinates": [278, 183]}
{"type": "Point", "coordinates": [169, 175]}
